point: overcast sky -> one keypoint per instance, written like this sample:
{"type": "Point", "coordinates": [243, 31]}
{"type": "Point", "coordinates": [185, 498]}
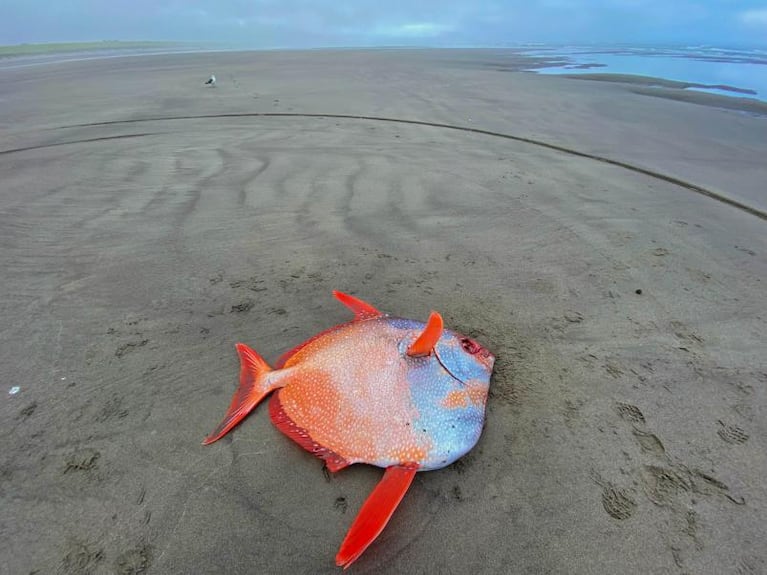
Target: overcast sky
{"type": "Point", "coordinates": [312, 23]}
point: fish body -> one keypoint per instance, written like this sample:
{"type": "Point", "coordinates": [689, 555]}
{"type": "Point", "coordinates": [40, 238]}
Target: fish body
{"type": "Point", "coordinates": [396, 393]}
{"type": "Point", "coordinates": [356, 392]}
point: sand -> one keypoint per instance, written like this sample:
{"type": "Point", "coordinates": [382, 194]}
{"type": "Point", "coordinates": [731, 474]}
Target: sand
{"type": "Point", "coordinates": [148, 223]}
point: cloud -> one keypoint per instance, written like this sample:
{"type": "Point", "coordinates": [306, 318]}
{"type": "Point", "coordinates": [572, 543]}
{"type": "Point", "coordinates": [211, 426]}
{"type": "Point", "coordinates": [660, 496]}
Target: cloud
{"type": "Point", "coordinates": [415, 30]}
{"type": "Point", "coordinates": [757, 18]}
{"type": "Point", "coordinates": [313, 23]}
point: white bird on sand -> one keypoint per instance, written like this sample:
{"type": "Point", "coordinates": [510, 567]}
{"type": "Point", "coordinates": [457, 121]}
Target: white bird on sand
{"type": "Point", "coordinates": [211, 81]}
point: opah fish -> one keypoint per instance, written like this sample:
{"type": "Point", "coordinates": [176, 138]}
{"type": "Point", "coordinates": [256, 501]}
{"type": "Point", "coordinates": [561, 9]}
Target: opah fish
{"type": "Point", "coordinates": [387, 391]}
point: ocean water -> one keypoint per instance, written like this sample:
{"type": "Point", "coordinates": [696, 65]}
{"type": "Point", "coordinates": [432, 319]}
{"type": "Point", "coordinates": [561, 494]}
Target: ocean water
{"type": "Point", "coordinates": [744, 69]}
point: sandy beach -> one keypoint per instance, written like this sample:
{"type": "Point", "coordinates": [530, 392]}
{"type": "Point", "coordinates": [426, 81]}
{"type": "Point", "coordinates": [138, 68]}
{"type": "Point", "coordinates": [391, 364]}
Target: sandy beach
{"type": "Point", "coordinates": [605, 240]}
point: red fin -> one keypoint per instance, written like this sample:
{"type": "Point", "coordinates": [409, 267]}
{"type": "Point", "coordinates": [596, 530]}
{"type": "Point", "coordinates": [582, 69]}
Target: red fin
{"type": "Point", "coordinates": [281, 421]}
{"type": "Point", "coordinates": [361, 309]}
{"type": "Point", "coordinates": [375, 513]}
{"type": "Point", "coordinates": [429, 337]}
{"type": "Point", "coordinates": [250, 393]}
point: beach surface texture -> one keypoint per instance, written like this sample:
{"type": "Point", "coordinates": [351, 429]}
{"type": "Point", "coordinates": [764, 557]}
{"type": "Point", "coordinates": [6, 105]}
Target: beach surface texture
{"type": "Point", "coordinates": [607, 241]}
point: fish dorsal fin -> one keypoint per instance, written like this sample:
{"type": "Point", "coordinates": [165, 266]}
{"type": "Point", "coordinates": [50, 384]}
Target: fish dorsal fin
{"type": "Point", "coordinates": [428, 338]}
{"type": "Point", "coordinates": [361, 309]}
{"type": "Point", "coordinates": [375, 513]}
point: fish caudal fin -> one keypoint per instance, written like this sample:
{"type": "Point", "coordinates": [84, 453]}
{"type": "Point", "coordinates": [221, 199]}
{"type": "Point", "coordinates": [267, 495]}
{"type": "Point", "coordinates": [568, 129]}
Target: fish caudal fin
{"type": "Point", "coordinates": [375, 513]}
{"type": "Point", "coordinates": [253, 388]}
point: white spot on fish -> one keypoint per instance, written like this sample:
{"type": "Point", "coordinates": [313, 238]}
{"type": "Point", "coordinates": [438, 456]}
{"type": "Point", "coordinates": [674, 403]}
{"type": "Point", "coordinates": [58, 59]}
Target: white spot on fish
{"type": "Point", "coordinates": [14, 390]}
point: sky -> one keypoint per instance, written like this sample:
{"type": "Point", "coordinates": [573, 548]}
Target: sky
{"type": "Point", "coordinates": [338, 23]}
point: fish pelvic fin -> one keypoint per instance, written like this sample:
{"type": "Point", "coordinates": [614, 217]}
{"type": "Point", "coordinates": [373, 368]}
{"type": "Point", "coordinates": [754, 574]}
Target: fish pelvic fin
{"type": "Point", "coordinates": [254, 387]}
{"type": "Point", "coordinates": [428, 338]}
{"type": "Point", "coordinates": [362, 310]}
{"type": "Point", "coordinates": [375, 513]}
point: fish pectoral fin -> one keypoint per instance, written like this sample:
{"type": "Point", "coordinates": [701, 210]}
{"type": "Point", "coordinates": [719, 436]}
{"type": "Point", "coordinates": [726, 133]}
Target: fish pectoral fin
{"type": "Point", "coordinates": [375, 513]}
{"type": "Point", "coordinates": [361, 309]}
{"type": "Point", "coordinates": [428, 338]}
{"type": "Point", "coordinates": [253, 388]}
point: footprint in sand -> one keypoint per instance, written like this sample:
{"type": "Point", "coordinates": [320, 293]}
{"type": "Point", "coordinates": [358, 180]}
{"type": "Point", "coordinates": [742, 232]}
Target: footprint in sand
{"type": "Point", "coordinates": [750, 566]}
{"type": "Point", "coordinates": [134, 561]}
{"type": "Point", "coordinates": [81, 558]}
{"type": "Point", "coordinates": [649, 442]}
{"type": "Point", "coordinates": [630, 413]}
{"type": "Point", "coordinates": [617, 502]}
{"type": "Point", "coordinates": [81, 460]}
{"type": "Point", "coordinates": [731, 433]}
{"type": "Point", "coordinates": [662, 485]}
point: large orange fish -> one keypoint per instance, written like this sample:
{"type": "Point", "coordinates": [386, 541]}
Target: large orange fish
{"type": "Point", "coordinates": [391, 392]}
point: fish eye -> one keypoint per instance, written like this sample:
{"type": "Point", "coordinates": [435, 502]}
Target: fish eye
{"type": "Point", "coordinates": [470, 346]}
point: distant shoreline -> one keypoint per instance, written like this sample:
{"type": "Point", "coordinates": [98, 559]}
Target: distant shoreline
{"type": "Point", "coordinates": [24, 55]}
{"type": "Point", "coordinates": [656, 82]}
{"type": "Point", "coordinates": [713, 70]}
{"type": "Point", "coordinates": [45, 49]}
{"type": "Point", "coordinates": [674, 90]}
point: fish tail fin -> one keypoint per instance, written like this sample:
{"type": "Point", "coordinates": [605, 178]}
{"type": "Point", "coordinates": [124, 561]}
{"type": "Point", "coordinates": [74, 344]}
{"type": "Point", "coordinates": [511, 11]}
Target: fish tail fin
{"type": "Point", "coordinates": [254, 387]}
{"type": "Point", "coordinates": [375, 513]}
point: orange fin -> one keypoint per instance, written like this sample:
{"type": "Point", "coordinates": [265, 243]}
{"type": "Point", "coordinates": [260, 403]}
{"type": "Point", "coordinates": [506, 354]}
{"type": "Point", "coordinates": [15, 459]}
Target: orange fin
{"type": "Point", "coordinates": [252, 390]}
{"type": "Point", "coordinates": [361, 309]}
{"type": "Point", "coordinates": [375, 513]}
{"type": "Point", "coordinates": [282, 421]}
{"type": "Point", "coordinates": [428, 338]}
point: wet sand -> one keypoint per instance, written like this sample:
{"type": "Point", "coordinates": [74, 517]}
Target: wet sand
{"type": "Point", "coordinates": [148, 223]}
